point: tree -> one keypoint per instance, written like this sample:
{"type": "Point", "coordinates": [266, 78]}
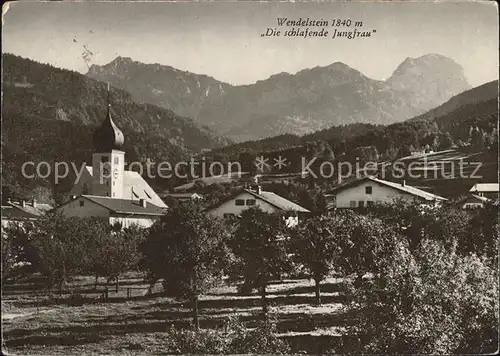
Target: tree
{"type": "Point", "coordinates": [186, 250]}
{"type": "Point", "coordinates": [432, 301]}
{"type": "Point", "coordinates": [445, 141]}
{"type": "Point", "coordinates": [314, 246]}
{"type": "Point", "coordinates": [364, 243]}
{"type": "Point", "coordinates": [259, 246]}
{"type": "Point", "coordinates": [112, 251]}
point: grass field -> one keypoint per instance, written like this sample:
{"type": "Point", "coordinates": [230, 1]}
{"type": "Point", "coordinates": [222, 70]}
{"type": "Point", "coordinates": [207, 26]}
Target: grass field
{"type": "Point", "coordinates": [33, 325]}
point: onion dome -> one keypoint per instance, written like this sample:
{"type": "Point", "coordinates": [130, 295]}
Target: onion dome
{"type": "Point", "coordinates": [108, 137]}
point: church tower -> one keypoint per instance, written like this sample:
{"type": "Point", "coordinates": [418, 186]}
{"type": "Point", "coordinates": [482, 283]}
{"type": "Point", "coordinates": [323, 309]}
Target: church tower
{"type": "Point", "coordinates": [108, 161]}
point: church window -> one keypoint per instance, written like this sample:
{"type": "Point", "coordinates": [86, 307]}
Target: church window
{"type": "Point", "coordinates": [117, 160]}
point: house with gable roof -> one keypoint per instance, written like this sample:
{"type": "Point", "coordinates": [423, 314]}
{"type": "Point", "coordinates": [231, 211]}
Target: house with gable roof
{"type": "Point", "coordinates": [256, 197]}
{"type": "Point", "coordinates": [370, 191]}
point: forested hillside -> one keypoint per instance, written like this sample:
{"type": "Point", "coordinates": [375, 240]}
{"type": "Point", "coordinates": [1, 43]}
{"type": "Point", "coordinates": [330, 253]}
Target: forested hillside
{"type": "Point", "coordinates": [49, 114]}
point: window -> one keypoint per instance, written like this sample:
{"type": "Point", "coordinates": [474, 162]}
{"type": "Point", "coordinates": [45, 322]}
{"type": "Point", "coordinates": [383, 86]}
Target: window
{"type": "Point", "coordinates": [352, 204]}
{"type": "Point", "coordinates": [82, 202]}
{"type": "Point", "coordinates": [250, 201]}
{"type": "Point", "coordinates": [361, 204]}
{"type": "Point", "coordinates": [240, 202]}
{"type": "Point", "coordinates": [370, 203]}
{"type": "Point", "coordinates": [117, 160]}
{"type": "Point", "coordinates": [104, 159]}
{"type": "Point", "coordinates": [368, 189]}
{"type": "Point", "coordinates": [228, 215]}
{"type": "Point", "coordinates": [85, 189]}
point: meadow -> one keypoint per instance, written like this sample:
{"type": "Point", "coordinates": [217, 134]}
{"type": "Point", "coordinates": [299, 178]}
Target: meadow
{"type": "Point", "coordinates": [82, 323]}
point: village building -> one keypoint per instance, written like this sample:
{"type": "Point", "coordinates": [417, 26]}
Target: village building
{"type": "Point", "coordinates": [107, 190]}
{"type": "Point", "coordinates": [266, 201]}
{"type": "Point", "coordinates": [371, 191]}
{"type": "Point", "coordinates": [22, 210]}
{"type": "Point", "coordinates": [183, 197]}
{"type": "Point", "coordinates": [487, 190]}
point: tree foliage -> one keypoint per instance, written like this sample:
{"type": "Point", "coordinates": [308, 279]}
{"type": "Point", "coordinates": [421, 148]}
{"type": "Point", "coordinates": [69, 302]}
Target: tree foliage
{"type": "Point", "coordinates": [259, 247]}
{"type": "Point", "coordinates": [186, 250]}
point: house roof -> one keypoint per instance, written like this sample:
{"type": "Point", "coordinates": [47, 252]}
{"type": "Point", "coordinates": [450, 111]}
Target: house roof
{"type": "Point", "coordinates": [123, 206]}
{"type": "Point", "coordinates": [126, 206]}
{"type": "Point", "coordinates": [403, 188]}
{"type": "Point", "coordinates": [269, 197]}
{"type": "Point", "coordinates": [473, 199]}
{"type": "Point", "coordinates": [182, 195]}
{"type": "Point", "coordinates": [485, 188]}
{"type": "Point", "coordinates": [277, 201]}
{"type": "Point", "coordinates": [15, 209]}
{"type": "Point", "coordinates": [135, 187]}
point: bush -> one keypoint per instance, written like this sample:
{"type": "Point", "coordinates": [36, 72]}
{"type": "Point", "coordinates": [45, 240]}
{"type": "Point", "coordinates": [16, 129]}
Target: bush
{"type": "Point", "coordinates": [233, 338]}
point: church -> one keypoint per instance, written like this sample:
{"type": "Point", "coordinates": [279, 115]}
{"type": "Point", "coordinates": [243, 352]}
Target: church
{"type": "Point", "coordinates": [107, 190]}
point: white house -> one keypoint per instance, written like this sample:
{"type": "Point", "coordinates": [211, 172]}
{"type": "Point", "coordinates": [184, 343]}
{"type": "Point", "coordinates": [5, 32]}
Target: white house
{"type": "Point", "coordinates": [488, 190]}
{"type": "Point", "coordinates": [266, 201]}
{"type": "Point", "coordinates": [370, 191]}
{"type": "Point", "coordinates": [107, 190]}
{"type": "Point", "coordinates": [127, 212]}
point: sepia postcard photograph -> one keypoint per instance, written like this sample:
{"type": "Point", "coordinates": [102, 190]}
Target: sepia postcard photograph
{"type": "Point", "coordinates": [250, 177]}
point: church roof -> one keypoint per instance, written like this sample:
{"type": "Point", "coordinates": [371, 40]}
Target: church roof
{"type": "Point", "coordinates": [135, 187]}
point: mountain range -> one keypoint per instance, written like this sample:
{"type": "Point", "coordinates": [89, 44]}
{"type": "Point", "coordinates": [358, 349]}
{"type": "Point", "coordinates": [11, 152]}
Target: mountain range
{"type": "Point", "coordinates": [310, 100]}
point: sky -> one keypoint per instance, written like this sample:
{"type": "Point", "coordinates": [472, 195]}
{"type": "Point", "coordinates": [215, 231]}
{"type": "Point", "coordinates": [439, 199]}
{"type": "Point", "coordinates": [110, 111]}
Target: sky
{"type": "Point", "coordinates": [222, 39]}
